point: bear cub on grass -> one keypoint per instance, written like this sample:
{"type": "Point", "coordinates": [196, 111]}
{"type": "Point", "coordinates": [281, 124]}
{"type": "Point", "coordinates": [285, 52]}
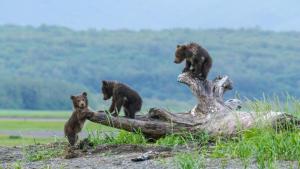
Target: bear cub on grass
{"type": "Point", "coordinates": [196, 57]}
{"type": "Point", "coordinates": [122, 95]}
{"type": "Point", "coordinates": [74, 125]}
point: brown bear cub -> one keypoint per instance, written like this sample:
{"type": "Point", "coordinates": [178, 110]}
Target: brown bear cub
{"type": "Point", "coordinates": [196, 57]}
{"type": "Point", "coordinates": [122, 95]}
{"type": "Point", "coordinates": [81, 111]}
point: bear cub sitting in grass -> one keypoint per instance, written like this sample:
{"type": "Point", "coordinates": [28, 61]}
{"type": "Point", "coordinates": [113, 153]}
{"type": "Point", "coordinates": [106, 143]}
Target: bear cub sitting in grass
{"type": "Point", "coordinates": [81, 111]}
{"type": "Point", "coordinates": [122, 95]}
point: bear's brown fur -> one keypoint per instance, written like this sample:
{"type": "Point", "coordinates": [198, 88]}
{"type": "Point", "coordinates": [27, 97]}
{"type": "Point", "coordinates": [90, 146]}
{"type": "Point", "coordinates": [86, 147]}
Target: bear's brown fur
{"type": "Point", "coordinates": [195, 56]}
{"type": "Point", "coordinates": [122, 95]}
{"type": "Point", "coordinates": [75, 123]}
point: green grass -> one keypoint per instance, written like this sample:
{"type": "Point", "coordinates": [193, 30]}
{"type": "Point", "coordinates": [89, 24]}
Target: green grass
{"type": "Point", "coordinates": [172, 140]}
{"type": "Point", "coordinates": [193, 160]}
{"type": "Point", "coordinates": [44, 152]}
{"type": "Point", "coordinates": [123, 137]}
{"type": "Point", "coordinates": [22, 141]}
{"type": "Point", "coordinates": [289, 105]}
{"type": "Point", "coordinates": [265, 145]}
{"type": "Point", "coordinates": [262, 144]}
{"type": "Point", "coordinates": [24, 125]}
{"type": "Point", "coordinates": [31, 125]}
{"type": "Point", "coordinates": [35, 113]}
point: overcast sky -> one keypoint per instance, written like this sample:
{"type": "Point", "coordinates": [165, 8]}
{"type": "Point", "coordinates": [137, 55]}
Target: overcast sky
{"type": "Point", "coordinates": [279, 15]}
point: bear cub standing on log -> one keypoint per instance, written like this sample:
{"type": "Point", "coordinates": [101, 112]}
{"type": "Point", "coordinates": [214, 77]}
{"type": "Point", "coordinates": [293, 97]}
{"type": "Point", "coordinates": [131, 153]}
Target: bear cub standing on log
{"type": "Point", "coordinates": [195, 56]}
{"type": "Point", "coordinates": [74, 125]}
{"type": "Point", "coordinates": [122, 95]}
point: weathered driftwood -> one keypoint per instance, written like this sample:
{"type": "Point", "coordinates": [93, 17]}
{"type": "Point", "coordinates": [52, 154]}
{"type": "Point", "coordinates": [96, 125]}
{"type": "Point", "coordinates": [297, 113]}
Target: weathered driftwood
{"type": "Point", "coordinates": [211, 114]}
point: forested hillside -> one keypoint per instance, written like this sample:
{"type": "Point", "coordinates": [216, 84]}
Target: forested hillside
{"type": "Point", "coordinates": [41, 67]}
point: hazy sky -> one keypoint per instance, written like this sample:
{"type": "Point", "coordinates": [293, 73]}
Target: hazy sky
{"type": "Point", "coordinates": [153, 14]}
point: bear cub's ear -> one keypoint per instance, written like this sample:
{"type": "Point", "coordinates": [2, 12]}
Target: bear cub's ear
{"type": "Point", "coordinates": [72, 97]}
{"type": "Point", "coordinates": [181, 46]}
{"type": "Point", "coordinates": [104, 83]}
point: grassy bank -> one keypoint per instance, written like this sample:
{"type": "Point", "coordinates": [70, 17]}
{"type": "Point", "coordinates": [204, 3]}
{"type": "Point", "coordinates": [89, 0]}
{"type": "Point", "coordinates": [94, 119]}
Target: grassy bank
{"type": "Point", "coordinates": [35, 113]}
{"type": "Point", "coordinates": [22, 141]}
{"type": "Point", "coordinates": [43, 125]}
{"type": "Point", "coordinates": [20, 126]}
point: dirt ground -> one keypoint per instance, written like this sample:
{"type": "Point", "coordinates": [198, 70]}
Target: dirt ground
{"type": "Point", "coordinates": [116, 157]}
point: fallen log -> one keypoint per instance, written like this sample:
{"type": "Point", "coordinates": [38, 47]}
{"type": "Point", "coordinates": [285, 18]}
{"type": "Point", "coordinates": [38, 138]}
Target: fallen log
{"type": "Point", "coordinates": [211, 114]}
